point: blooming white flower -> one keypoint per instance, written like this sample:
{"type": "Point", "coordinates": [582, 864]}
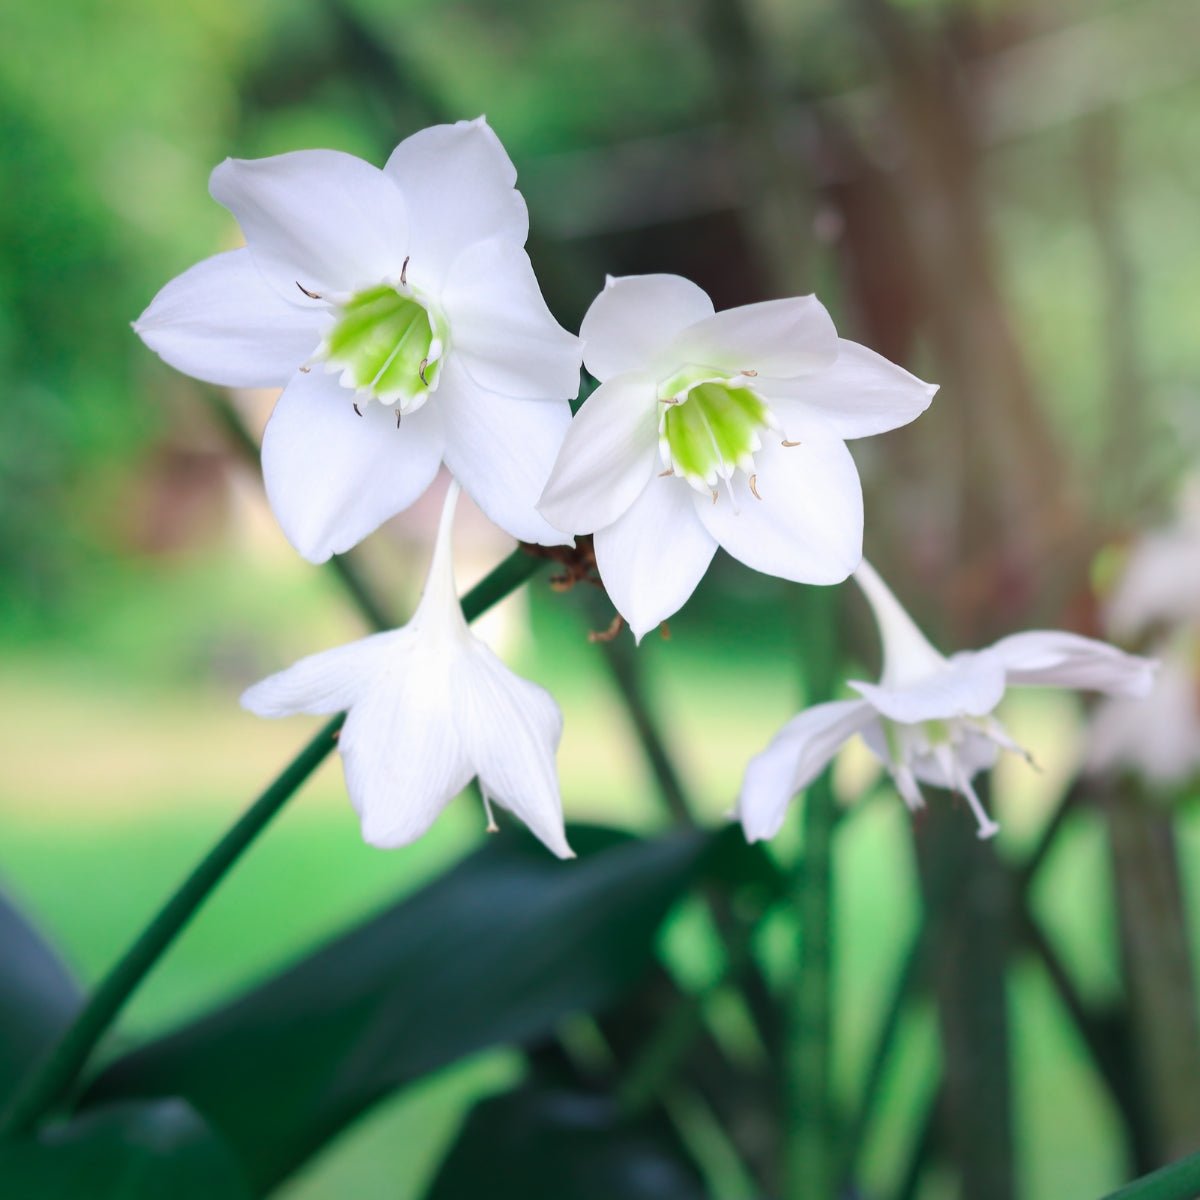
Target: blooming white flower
{"type": "Point", "coordinates": [400, 313]}
{"type": "Point", "coordinates": [715, 429]}
{"type": "Point", "coordinates": [929, 717]}
{"type": "Point", "coordinates": [429, 707]}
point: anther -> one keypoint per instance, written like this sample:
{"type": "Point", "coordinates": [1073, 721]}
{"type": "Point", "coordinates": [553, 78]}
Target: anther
{"type": "Point", "coordinates": [667, 400]}
{"type": "Point", "coordinates": [788, 444]}
{"type": "Point", "coordinates": [357, 410]}
{"type": "Point", "coordinates": [715, 494]}
{"type": "Point", "coordinates": [399, 415]}
{"type": "Point", "coordinates": [305, 370]}
{"type": "Point", "coordinates": [310, 295]}
{"type": "Point", "coordinates": [421, 371]}
{"type": "Point", "coordinates": [751, 374]}
{"type": "Point", "coordinates": [404, 272]}
{"type": "Point", "coordinates": [607, 635]}
{"type": "Point", "coordinates": [668, 471]}
{"type": "Point", "coordinates": [754, 486]}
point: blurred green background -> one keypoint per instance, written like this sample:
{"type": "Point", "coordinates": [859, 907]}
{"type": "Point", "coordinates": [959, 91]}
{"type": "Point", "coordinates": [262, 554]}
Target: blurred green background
{"type": "Point", "coordinates": [1002, 196]}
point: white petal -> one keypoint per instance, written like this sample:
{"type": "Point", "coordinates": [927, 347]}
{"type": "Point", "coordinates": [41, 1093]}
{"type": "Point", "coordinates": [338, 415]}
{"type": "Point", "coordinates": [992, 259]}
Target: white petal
{"type": "Point", "coordinates": [908, 656]}
{"type": "Point", "coordinates": [610, 450]}
{"type": "Point", "coordinates": [798, 753]}
{"type": "Point", "coordinates": [860, 395]}
{"type": "Point", "coordinates": [402, 749]}
{"type": "Point", "coordinates": [501, 450]}
{"type": "Point", "coordinates": [320, 218]}
{"type": "Point", "coordinates": [501, 329]}
{"type": "Point", "coordinates": [323, 683]}
{"type": "Point", "coordinates": [634, 321]}
{"type": "Point", "coordinates": [965, 685]}
{"type": "Point", "coordinates": [331, 476]}
{"type": "Point", "coordinates": [458, 184]}
{"type": "Point", "coordinates": [652, 557]}
{"type": "Point", "coordinates": [510, 730]}
{"type": "Point", "coordinates": [808, 525]}
{"type": "Point", "coordinates": [219, 321]}
{"type": "Point", "coordinates": [777, 338]}
{"type": "Point", "coordinates": [1057, 659]}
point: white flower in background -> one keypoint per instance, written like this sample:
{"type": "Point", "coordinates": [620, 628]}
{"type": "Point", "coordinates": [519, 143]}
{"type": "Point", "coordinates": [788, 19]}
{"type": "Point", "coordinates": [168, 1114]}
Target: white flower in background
{"type": "Point", "coordinates": [929, 717]}
{"type": "Point", "coordinates": [399, 312]}
{"type": "Point", "coordinates": [718, 429]}
{"type": "Point", "coordinates": [429, 707]}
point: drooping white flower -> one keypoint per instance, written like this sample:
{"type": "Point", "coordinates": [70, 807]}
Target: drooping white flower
{"type": "Point", "coordinates": [430, 707]}
{"type": "Point", "coordinates": [399, 312]}
{"type": "Point", "coordinates": [715, 429]}
{"type": "Point", "coordinates": [929, 719]}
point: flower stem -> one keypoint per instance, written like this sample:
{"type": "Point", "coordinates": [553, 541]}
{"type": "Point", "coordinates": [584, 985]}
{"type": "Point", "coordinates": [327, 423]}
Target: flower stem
{"type": "Point", "coordinates": [52, 1078]}
{"type": "Point", "coordinates": [1176, 1181]}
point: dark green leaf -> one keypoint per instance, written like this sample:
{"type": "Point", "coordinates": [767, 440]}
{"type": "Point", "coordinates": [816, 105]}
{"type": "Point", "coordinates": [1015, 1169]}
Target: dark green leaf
{"type": "Point", "coordinates": [38, 997]}
{"type": "Point", "coordinates": [497, 951]}
{"type": "Point", "coordinates": [138, 1151]}
{"type": "Point", "coordinates": [559, 1145]}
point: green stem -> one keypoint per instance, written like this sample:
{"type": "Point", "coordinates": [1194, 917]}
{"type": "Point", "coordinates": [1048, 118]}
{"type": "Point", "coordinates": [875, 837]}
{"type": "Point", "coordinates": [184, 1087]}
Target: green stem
{"type": "Point", "coordinates": [64, 1062]}
{"type": "Point", "coordinates": [1177, 1181]}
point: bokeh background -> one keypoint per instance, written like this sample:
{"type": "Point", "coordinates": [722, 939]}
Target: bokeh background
{"type": "Point", "coordinates": [1000, 195]}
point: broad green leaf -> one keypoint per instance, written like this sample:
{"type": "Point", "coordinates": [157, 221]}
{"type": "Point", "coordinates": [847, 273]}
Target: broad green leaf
{"type": "Point", "coordinates": [535, 1144]}
{"type": "Point", "coordinates": [497, 951]}
{"type": "Point", "coordinates": [132, 1151]}
{"type": "Point", "coordinates": [38, 997]}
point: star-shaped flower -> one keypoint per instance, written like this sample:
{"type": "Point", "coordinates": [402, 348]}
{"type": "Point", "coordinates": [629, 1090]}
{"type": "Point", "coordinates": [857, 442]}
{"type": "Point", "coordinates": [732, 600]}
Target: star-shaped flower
{"type": "Point", "coordinates": [929, 719]}
{"type": "Point", "coordinates": [715, 429]}
{"type": "Point", "coordinates": [399, 312]}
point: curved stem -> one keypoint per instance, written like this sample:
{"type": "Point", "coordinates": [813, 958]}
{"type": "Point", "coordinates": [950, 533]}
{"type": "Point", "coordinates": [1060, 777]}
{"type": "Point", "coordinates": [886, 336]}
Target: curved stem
{"type": "Point", "coordinates": [1177, 1181]}
{"type": "Point", "coordinates": [65, 1060]}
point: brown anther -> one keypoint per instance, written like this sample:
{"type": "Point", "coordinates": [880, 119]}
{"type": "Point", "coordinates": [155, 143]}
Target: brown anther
{"type": "Point", "coordinates": [404, 272]}
{"type": "Point", "coordinates": [357, 410]}
{"type": "Point", "coordinates": [751, 374]}
{"type": "Point", "coordinates": [785, 442]}
{"type": "Point", "coordinates": [668, 471]}
{"type": "Point", "coordinates": [664, 631]}
{"type": "Point", "coordinates": [670, 400]}
{"type": "Point", "coordinates": [578, 563]}
{"type": "Point", "coordinates": [606, 635]}
{"type": "Point", "coordinates": [754, 486]}
{"type": "Point", "coordinates": [305, 370]}
{"type": "Point", "coordinates": [399, 416]}
{"type": "Point", "coordinates": [715, 494]}
{"type": "Point", "coordinates": [421, 371]}
{"type": "Point", "coordinates": [310, 295]}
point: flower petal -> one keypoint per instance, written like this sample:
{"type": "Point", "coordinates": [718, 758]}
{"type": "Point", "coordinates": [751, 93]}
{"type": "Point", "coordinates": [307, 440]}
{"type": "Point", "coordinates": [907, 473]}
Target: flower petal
{"type": "Point", "coordinates": [970, 684]}
{"type": "Point", "coordinates": [510, 730]}
{"type": "Point", "coordinates": [808, 525]}
{"type": "Point", "coordinates": [652, 557]}
{"type": "Point", "coordinates": [501, 329]}
{"type": "Point", "coordinates": [458, 184]}
{"type": "Point", "coordinates": [323, 683]}
{"type": "Point", "coordinates": [320, 218]}
{"type": "Point", "coordinates": [1056, 659]}
{"type": "Point", "coordinates": [798, 753]}
{"type": "Point", "coordinates": [331, 476]}
{"type": "Point", "coordinates": [861, 394]}
{"type": "Point", "coordinates": [501, 450]}
{"type": "Point", "coordinates": [219, 321]}
{"type": "Point", "coordinates": [608, 454]}
{"type": "Point", "coordinates": [636, 318]}
{"type": "Point", "coordinates": [401, 747]}
{"type": "Point", "coordinates": [777, 338]}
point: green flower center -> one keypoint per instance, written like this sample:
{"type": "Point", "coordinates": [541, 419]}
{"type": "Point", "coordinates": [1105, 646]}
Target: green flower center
{"type": "Point", "coordinates": [389, 346]}
{"type": "Point", "coordinates": [710, 429]}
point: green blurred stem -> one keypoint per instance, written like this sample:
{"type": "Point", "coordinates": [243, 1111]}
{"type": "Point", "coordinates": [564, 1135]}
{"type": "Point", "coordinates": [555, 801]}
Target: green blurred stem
{"type": "Point", "coordinates": [60, 1068]}
{"type": "Point", "coordinates": [1178, 1181]}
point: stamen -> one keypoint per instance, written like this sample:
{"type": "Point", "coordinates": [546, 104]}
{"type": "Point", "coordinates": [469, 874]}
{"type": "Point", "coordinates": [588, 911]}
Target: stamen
{"type": "Point", "coordinates": [310, 295]}
{"type": "Point", "coordinates": [670, 400]}
{"type": "Point", "coordinates": [962, 784]}
{"type": "Point", "coordinates": [751, 374]}
{"type": "Point", "coordinates": [754, 486]}
{"type": "Point", "coordinates": [421, 371]}
{"type": "Point", "coordinates": [399, 417]}
{"type": "Point", "coordinates": [404, 272]}
{"type": "Point", "coordinates": [714, 492]}
{"type": "Point", "coordinates": [492, 827]}
{"type": "Point", "coordinates": [788, 444]}
{"type": "Point", "coordinates": [357, 410]}
{"type": "Point", "coordinates": [606, 635]}
{"type": "Point", "coordinates": [304, 370]}
{"type": "Point", "coordinates": [906, 785]}
{"type": "Point", "coordinates": [668, 471]}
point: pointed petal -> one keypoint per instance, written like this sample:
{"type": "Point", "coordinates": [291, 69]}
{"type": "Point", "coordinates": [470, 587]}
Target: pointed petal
{"type": "Point", "coordinates": [501, 329]}
{"type": "Point", "coordinates": [501, 450]}
{"type": "Point", "coordinates": [965, 685]}
{"type": "Point", "coordinates": [798, 753]}
{"type": "Point", "coordinates": [908, 656]}
{"type": "Point", "coordinates": [808, 525]}
{"type": "Point", "coordinates": [459, 186]}
{"type": "Point", "coordinates": [634, 321]}
{"type": "Point", "coordinates": [861, 394]}
{"type": "Point", "coordinates": [323, 683]}
{"type": "Point", "coordinates": [401, 747]}
{"type": "Point", "coordinates": [320, 218]}
{"type": "Point", "coordinates": [777, 338]}
{"type": "Point", "coordinates": [511, 730]}
{"type": "Point", "coordinates": [1055, 659]}
{"type": "Point", "coordinates": [220, 322]}
{"type": "Point", "coordinates": [606, 458]}
{"type": "Point", "coordinates": [652, 557]}
{"type": "Point", "coordinates": [333, 477]}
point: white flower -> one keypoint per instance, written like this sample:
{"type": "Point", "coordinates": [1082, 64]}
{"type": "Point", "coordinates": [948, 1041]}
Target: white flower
{"type": "Point", "coordinates": [929, 717]}
{"type": "Point", "coordinates": [399, 311]}
{"type": "Point", "coordinates": [429, 707]}
{"type": "Point", "coordinates": [718, 429]}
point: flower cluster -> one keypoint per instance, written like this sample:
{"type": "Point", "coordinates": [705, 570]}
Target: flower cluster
{"type": "Point", "coordinates": [398, 311]}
